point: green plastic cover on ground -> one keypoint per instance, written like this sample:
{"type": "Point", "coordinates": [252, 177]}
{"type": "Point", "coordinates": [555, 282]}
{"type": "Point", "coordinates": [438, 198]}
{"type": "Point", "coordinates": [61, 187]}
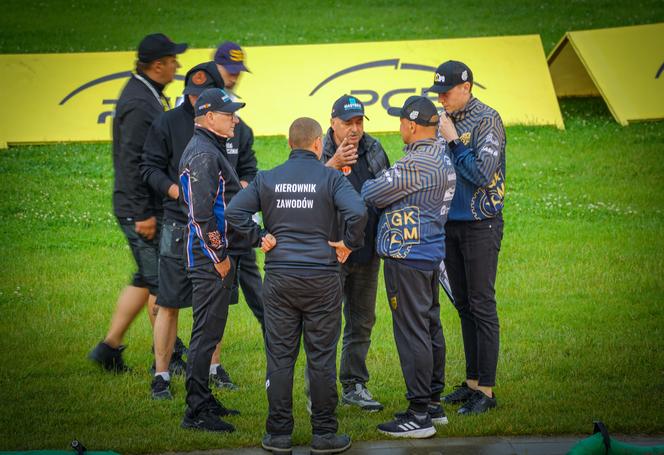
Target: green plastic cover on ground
{"type": "Point", "coordinates": [594, 445]}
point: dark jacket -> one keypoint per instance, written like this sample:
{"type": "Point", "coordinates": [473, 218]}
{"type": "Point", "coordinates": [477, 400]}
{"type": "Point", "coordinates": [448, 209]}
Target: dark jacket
{"type": "Point", "coordinates": [372, 155]}
{"type": "Point", "coordinates": [135, 111]}
{"type": "Point", "coordinates": [207, 184]}
{"type": "Point", "coordinates": [300, 200]}
{"type": "Point", "coordinates": [169, 135]}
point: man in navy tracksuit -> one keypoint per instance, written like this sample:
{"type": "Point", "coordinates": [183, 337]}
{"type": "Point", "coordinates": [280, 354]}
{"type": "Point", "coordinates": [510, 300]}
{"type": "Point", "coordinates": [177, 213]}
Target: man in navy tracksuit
{"type": "Point", "coordinates": [475, 138]}
{"type": "Point", "coordinates": [415, 195]}
{"type": "Point", "coordinates": [207, 183]}
{"type": "Point", "coordinates": [300, 201]}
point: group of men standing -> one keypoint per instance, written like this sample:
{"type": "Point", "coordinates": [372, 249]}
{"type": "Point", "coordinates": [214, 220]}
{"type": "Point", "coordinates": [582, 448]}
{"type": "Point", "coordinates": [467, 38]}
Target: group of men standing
{"type": "Point", "coordinates": [330, 212]}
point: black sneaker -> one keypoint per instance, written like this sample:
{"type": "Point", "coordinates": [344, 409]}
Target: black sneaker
{"type": "Point", "coordinates": [461, 394]}
{"type": "Point", "coordinates": [109, 358]}
{"type": "Point", "coordinates": [205, 421]}
{"type": "Point", "coordinates": [280, 444]}
{"type": "Point", "coordinates": [180, 348]}
{"type": "Point", "coordinates": [408, 425]}
{"type": "Point", "coordinates": [330, 443]}
{"type": "Point", "coordinates": [220, 410]}
{"type": "Point", "coordinates": [360, 396]}
{"type": "Point", "coordinates": [160, 389]}
{"type": "Point", "coordinates": [437, 414]}
{"type": "Point", "coordinates": [221, 380]}
{"type": "Point", "coordinates": [478, 403]}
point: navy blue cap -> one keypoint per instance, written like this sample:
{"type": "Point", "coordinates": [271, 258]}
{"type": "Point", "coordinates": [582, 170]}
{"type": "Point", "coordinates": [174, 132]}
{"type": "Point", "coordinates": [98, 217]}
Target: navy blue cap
{"type": "Point", "coordinates": [418, 109]}
{"type": "Point", "coordinates": [215, 100]}
{"type": "Point", "coordinates": [231, 56]}
{"type": "Point", "coordinates": [348, 107]}
{"type": "Point", "coordinates": [158, 45]}
{"type": "Point", "coordinates": [449, 75]}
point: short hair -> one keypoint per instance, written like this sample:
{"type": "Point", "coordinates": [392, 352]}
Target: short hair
{"type": "Point", "coordinates": [144, 66]}
{"type": "Point", "coordinates": [303, 132]}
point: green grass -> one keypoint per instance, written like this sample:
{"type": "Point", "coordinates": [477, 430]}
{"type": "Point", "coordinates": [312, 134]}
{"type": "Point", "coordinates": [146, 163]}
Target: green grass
{"type": "Point", "coordinates": [580, 287]}
{"type": "Point", "coordinates": [580, 295]}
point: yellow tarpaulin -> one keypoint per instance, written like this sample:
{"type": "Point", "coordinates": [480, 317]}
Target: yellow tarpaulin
{"type": "Point", "coordinates": [624, 65]}
{"type": "Point", "coordinates": [70, 97]}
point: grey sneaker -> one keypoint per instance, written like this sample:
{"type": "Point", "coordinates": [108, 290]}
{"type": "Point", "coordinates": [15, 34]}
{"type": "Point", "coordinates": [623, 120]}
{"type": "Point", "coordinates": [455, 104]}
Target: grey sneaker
{"type": "Point", "coordinates": [221, 380]}
{"type": "Point", "coordinates": [161, 389]}
{"type": "Point", "coordinates": [280, 444]}
{"type": "Point", "coordinates": [330, 443]}
{"type": "Point", "coordinates": [437, 414]}
{"type": "Point", "coordinates": [361, 397]}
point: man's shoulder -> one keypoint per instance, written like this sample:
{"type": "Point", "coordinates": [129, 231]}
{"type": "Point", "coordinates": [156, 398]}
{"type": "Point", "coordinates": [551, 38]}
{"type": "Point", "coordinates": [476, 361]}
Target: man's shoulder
{"type": "Point", "coordinates": [482, 111]}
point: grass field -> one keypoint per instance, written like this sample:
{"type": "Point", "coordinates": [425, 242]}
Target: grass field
{"type": "Point", "coordinates": [580, 287]}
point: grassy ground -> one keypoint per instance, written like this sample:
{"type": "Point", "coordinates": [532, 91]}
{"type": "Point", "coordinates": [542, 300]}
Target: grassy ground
{"type": "Point", "coordinates": [580, 287]}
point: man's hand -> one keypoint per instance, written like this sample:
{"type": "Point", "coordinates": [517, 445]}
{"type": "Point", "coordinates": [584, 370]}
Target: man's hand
{"type": "Point", "coordinates": [346, 155]}
{"type": "Point", "coordinates": [173, 191]}
{"type": "Point", "coordinates": [244, 183]}
{"type": "Point", "coordinates": [223, 267]}
{"type": "Point", "coordinates": [342, 250]}
{"type": "Point", "coordinates": [146, 228]}
{"type": "Point", "coordinates": [447, 128]}
{"type": "Point", "coordinates": [268, 242]}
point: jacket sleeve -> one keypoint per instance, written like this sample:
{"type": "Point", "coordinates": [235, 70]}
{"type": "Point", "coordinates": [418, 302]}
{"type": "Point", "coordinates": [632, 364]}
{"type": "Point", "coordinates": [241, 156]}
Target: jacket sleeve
{"type": "Point", "coordinates": [241, 209]}
{"type": "Point", "coordinates": [135, 126]}
{"type": "Point", "coordinates": [395, 184]}
{"type": "Point", "coordinates": [156, 157]}
{"type": "Point", "coordinates": [205, 184]}
{"type": "Point", "coordinates": [353, 210]}
{"type": "Point", "coordinates": [246, 165]}
{"type": "Point", "coordinates": [479, 163]}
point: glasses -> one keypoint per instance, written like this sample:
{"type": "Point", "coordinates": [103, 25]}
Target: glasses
{"type": "Point", "coordinates": [233, 115]}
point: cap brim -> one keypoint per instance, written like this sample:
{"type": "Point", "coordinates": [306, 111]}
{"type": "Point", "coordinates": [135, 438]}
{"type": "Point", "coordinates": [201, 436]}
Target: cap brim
{"type": "Point", "coordinates": [195, 89]}
{"type": "Point", "coordinates": [394, 111]}
{"type": "Point", "coordinates": [440, 88]}
{"type": "Point", "coordinates": [349, 115]}
{"type": "Point", "coordinates": [180, 48]}
{"type": "Point", "coordinates": [235, 68]}
{"type": "Point", "coordinates": [232, 107]}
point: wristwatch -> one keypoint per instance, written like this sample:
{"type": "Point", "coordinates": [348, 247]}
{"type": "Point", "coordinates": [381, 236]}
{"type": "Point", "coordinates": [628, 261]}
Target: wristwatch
{"type": "Point", "coordinates": [454, 143]}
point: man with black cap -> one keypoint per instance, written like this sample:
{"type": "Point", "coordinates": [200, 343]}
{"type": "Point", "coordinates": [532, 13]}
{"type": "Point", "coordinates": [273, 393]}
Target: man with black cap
{"type": "Point", "coordinates": [360, 157]}
{"type": "Point", "coordinates": [135, 206]}
{"type": "Point", "coordinates": [300, 201]}
{"type": "Point", "coordinates": [206, 185]}
{"type": "Point", "coordinates": [475, 138]}
{"type": "Point", "coordinates": [166, 140]}
{"type": "Point", "coordinates": [415, 196]}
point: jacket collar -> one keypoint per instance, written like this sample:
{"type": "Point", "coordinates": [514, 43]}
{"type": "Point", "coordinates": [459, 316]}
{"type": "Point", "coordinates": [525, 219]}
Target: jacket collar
{"type": "Point", "coordinates": [218, 141]}
{"type": "Point", "coordinates": [301, 153]}
{"type": "Point", "coordinates": [462, 113]}
{"type": "Point", "coordinates": [413, 146]}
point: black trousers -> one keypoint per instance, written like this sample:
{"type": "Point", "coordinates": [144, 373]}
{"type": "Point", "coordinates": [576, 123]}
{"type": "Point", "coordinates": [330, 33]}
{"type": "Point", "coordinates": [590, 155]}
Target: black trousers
{"type": "Point", "coordinates": [307, 306]}
{"type": "Point", "coordinates": [471, 249]}
{"type": "Point", "coordinates": [210, 299]}
{"type": "Point", "coordinates": [418, 333]}
{"type": "Point", "coordinates": [251, 284]}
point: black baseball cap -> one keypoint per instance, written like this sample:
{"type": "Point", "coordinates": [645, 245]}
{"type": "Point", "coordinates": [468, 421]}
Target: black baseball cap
{"type": "Point", "coordinates": [158, 45]}
{"type": "Point", "coordinates": [418, 109]}
{"type": "Point", "coordinates": [449, 75]}
{"type": "Point", "coordinates": [231, 56]}
{"type": "Point", "coordinates": [215, 100]}
{"type": "Point", "coordinates": [201, 77]}
{"type": "Point", "coordinates": [348, 107]}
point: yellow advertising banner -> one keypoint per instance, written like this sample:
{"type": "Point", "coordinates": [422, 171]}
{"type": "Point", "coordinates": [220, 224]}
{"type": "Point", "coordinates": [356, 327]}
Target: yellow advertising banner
{"type": "Point", "coordinates": [70, 97]}
{"type": "Point", "coordinates": [624, 65]}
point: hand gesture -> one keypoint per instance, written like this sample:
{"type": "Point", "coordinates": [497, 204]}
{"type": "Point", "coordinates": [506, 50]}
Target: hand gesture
{"type": "Point", "coordinates": [346, 155]}
{"type": "Point", "coordinates": [446, 128]}
{"type": "Point", "coordinates": [223, 267]}
{"type": "Point", "coordinates": [146, 228]}
{"type": "Point", "coordinates": [268, 242]}
{"type": "Point", "coordinates": [342, 250]}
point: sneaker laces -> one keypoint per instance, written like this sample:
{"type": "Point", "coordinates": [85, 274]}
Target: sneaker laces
{"type": "Point", "coordinates": [474, 398]}
{"type": "Point", "coordinates": [363, 392]}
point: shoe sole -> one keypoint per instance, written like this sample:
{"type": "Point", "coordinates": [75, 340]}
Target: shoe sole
{"type": "Point", "coordinates": [224, 385]}
{"type": "Point", "coordinates": [474, 413]}
{"type": "Point", "coordinates": [439, 421]}
{"type": "Point", "coordinates": [367, 408]}
{"type": "Point", "coordinates": [162, 396]}
{"type": "Point", "coordinates": [335, 450]}
{"type": "Point", "coordinates": [279, 450]}
{"type": "Point", "coordinates": [188, 426]}
{"type": "Point", "coordinates": [421, 433]}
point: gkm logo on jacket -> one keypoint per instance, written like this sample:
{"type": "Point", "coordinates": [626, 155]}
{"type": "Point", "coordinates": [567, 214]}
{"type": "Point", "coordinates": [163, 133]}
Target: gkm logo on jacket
{"type": "Point", "coordinates": [400, 231]}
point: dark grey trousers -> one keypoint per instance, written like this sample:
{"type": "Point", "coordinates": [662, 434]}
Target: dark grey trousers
{"type": "Point", "coordinates": [471, 249]}
{"type": "Point", "coordinates": [210, 299]}
{"type": "Point", "coordinates": [359, 294]}
{"type": "Point", "coordinates": [418, 333]}
{"type": "Point", "coordinates": [307, 306]}
{"type": "Point", "coordinates": [251, 283]}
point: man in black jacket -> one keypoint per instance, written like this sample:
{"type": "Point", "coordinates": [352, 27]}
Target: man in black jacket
{"type": "Point", "coordinates": [137, 209]}
{"type": "Point", "coordinates": [300, 201]}
{"type": "Point", "coordinates": [207, 184]}
{"type": "Point", "coordinates": [360, 157]}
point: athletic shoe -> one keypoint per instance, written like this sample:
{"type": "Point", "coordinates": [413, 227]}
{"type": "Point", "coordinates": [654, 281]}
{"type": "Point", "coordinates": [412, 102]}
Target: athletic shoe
{"type": "Point", "coordinates": [478, 403]}
{"type": "Point", "coordinates": [361, 397]}
{"type": "Point", "coordinates": [461, 394]}
{"type": "Point", "coordinates": [109, 358]}
{"type": "Point", "coordinates": [160, 389]}
{"type": "Point", "coordinates": [437, 414]}
{"type": "Point", "coordinates": [205, 421]}
{"type": "Point", "coordinates": [221, 380]}
{"type": "Point", "coordinates": [280, 444]}
{"type": "Point", "coordinates": [220, 410]}
{"type": "Point", "coordinates": [180, 348]}
{"type": "Point", "coordinates": [330, 443]}
{"type": "Point", "coordinates": [408, 425]}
